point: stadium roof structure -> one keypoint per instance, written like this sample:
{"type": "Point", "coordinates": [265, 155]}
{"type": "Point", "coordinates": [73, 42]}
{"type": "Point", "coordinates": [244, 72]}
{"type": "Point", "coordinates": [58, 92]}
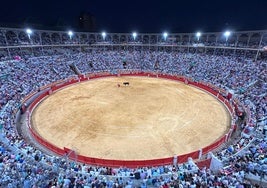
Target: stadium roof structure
{"type": "Point", "coordinates": [225, 40]}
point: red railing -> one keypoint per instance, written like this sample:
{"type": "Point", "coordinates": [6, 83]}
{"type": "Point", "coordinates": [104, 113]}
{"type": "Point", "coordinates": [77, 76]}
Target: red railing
{"type": "Point", "coordinates": [119, 163]}
{"type": "Point", "coordinates": [130, 163]}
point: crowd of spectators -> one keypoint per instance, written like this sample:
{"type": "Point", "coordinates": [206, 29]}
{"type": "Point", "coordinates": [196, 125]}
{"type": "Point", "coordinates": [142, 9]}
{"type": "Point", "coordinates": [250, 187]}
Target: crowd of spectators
{"type": "Point", "coordinates": [23, 165]}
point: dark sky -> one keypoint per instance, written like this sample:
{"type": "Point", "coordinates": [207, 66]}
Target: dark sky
{"type": "Point", "coordinates": [142, 15]}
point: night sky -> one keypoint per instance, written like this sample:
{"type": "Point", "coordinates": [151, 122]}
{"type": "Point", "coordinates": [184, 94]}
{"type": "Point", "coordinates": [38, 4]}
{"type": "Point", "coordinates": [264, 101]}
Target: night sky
{"type": "Point", "coordinates": [140, 15]}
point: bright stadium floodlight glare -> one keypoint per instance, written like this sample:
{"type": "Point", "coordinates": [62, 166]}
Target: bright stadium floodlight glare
{"type": "Point", "coordinates": [29, 32]}
{"type": "Point", "coordinates": [165, 35]}
{"type": "Point", "coordinates": [70, 33]}
{"type": "Point", "coordinates": [104, 34]}
{"type": "Point", "coordinates": [198, 34]}
{"type": "Point", "coordinates": [134, 35]}
{"type": "Point", "coordinates": [227, 34]}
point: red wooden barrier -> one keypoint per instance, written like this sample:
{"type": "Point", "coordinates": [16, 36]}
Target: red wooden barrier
{"type": "Point", "coordinates": [203, 163]}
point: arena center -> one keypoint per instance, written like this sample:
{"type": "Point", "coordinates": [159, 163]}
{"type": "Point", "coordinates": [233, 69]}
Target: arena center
{"type": "Point", "coordinates": [109, 106]}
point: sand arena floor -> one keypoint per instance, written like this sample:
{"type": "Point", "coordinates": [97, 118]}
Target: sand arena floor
{"type": "Point", "coordinates": [152, 118]}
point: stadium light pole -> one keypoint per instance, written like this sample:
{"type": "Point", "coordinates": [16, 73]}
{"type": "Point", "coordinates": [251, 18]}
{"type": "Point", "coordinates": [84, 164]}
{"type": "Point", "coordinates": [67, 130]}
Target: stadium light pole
{"type": "Point", "coordinates": [198, 35]}
{"type": "Point", "coordinates": [70, 33]}
{"type": "Point", "coordinates": [134, 35]}
{"type": "Point", "coordinates": [29, 32]}
{"type": "Point", "coordinates": [104, 34]}
{"type": "Point", "coordinates": [227, 34]}
{"type": "Point", "coordinates": [165, 35]}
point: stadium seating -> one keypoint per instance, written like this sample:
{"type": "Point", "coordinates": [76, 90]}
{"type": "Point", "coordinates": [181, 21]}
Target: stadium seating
{"type": "Point", "coordinates": [43, 59]}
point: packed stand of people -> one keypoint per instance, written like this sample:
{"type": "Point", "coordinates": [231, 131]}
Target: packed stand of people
{"type": "Point", "coordinates": [24, 165]}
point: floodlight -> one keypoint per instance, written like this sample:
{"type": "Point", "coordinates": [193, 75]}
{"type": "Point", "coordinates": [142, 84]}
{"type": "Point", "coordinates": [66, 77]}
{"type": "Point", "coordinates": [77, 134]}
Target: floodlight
{"type": "Point", "coordinates": [70, 33]}
{"type": "Point", "coordinates": [227, 34]}
{"type": "Point", "coordinates": [104, 35]}
{"type": "Point", "coordinates": [134, 35]}
{"type": "Point", "coordinates": [165, 35]}
{"type": "Point", "coordinates": [198, 35]}
{"type": "Point", "coordinates": [29, 31]}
